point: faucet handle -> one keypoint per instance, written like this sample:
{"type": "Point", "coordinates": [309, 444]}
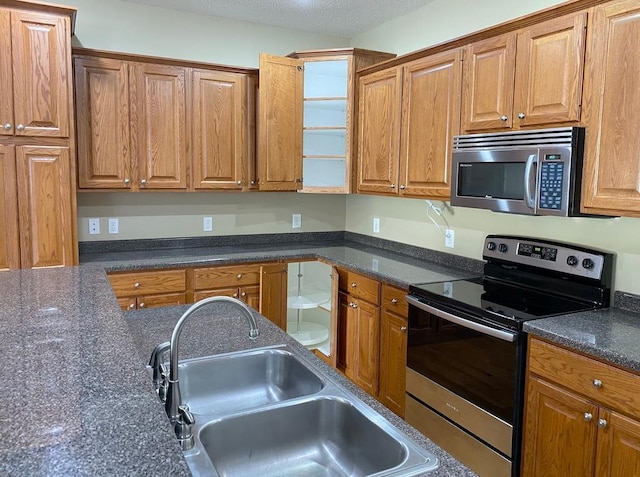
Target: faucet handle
{"type": "Point", "coordinates": [163, 387]}
{"type": "Point", "coordinates": [159, 355]}
{"type": "Point", "coordinates": [183, 426]}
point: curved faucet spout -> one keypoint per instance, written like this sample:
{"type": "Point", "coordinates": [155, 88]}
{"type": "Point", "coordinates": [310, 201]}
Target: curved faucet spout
{"type": "Point", "coordinates": [174, 400]}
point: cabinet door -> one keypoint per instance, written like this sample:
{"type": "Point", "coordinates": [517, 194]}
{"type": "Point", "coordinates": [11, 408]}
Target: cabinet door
{"type": "Point", "coordinates": [379, 100]}
{"type": "Point", "coordinates": [219, 130]}
{"type": "Point", "coordinates": [230, 292]}
{"type": "Point", "coordinates": [6, 81]}
{"type": "Point", "coordinates": [41, 74]}
{"type": "Point", "coordinates": [102, 111]}
{"type": "Point", "coordinates": [487, 86]}
{"type": "Point", "coordinates": [158, 125]}
{"type": "Point", "coordinates": [272, 299]}
{"type": "Point", "coordinates": [618, 446]}
{"type": "Point", "coordinates": [280, 123]}
{"type": "Point", "coordinates": [611, 183]}
{"type": "Point", "coordinates": [251, 296]}
{"type": "Point", "coordinates": [549, 71]}
{"type": "Point", "coordinates": [367, 319]}
{"type": "Point", "coordinates": [559, 433]}
{"type": "Point", "coordinates": [346, 360]}
{"type": "Point", "coordinates": [45, 204]}
{"type": "Point", "coordinates": [156, 301]}
{"type": "Point", "coordinates": [393, 361]}
{"type": "Point", "coordinates": [9, 238]}
{"type": "Point", "coordinates": [430, 119]}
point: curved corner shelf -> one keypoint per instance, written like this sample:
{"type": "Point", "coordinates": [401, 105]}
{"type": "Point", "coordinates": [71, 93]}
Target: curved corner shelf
{"type": "Point", "coordinates": [308, 334]}
{"type": "Point", "coordinates": [308, 300]}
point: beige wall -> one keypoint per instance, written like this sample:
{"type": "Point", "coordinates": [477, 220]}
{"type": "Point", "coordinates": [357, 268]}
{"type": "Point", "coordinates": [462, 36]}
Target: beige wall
{"type": "Point", "coordinates": [405, 220]}
{"type": "Point", "coordinates": [180, 214]}
{"type": "Point", "coordinates": [133, 28]}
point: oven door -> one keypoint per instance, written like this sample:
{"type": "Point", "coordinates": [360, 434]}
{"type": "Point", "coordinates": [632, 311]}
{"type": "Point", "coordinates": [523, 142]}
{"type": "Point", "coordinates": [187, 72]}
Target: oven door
{"type": "Point", "coordinates": [466, 370]}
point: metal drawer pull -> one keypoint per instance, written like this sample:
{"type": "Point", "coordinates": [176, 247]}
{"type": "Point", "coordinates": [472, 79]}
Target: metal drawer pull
{"type": "Point", "coordinates": [472, 325]}
{"type": "Point", "coordinates": [243, 294]}
{"type": "Point", "coordinates": [503, 118]}
{"type": "Point", "coordinates": [239, 275]}
{"type": "Point", "coordinates": [403, 328]}
{"type": "Point", "coordinates": [7, 126]}
{"type": "Point", "coordinates": [602, 423]}
{"type": "Point", "coordinates": [20, 127]}
{"type": "Point", "coordinates": [597, 383]}
{"type": "Point", "coordinates": [136, 285]}
{"type": "Point", "coordinates": [354, 284]}
{"type": "Point", "coordinates": [394, 300]}
{"type": "Point", "coordinates": [141, 305]}
{"type": "Point", "coordinates": [588, 416]}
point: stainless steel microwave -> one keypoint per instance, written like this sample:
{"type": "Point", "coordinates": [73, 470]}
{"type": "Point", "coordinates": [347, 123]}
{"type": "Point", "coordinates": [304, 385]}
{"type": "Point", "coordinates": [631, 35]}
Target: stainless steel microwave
{"type": "Point", "coordinates": [533, 172]}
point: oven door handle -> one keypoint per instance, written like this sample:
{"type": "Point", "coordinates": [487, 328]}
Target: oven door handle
{"type": "Point", "coordinates": [487, 330]}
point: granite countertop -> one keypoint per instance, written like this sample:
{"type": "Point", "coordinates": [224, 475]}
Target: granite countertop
{"type": "Point", "coordinates": [392, 267]}
{"type": "Point", "coordinates": [77, 397]}
{"type": "Point", "coordinates": [611, 334]}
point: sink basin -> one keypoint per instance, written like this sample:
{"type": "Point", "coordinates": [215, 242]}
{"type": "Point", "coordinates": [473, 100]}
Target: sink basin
{"type": "Point", "coordinates": [318, 437]}
{"type": "Point", "coordinates": [235, 382]}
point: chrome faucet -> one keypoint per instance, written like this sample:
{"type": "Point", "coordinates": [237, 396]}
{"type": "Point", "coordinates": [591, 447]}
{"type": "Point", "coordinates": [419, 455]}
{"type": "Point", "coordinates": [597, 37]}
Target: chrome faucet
{"type": "Point", "coordinates": [178, 413]}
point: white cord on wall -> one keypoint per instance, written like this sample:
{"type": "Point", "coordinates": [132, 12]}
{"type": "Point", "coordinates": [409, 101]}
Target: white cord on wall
{"type": "Point", "coordinates": [439, 211]}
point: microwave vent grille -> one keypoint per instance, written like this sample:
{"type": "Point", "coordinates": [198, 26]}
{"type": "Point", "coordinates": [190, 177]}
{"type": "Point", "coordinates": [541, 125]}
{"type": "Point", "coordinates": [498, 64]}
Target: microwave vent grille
{"type": "Point", "coordinates": [517, 139]}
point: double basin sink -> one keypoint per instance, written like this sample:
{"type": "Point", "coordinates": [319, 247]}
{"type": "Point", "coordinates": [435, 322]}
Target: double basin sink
{"type": "Point", "coordinates": [272, 412]}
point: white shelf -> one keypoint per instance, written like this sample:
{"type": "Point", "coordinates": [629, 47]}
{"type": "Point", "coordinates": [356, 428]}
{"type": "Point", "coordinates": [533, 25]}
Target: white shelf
{"type": "Point", "coordinates": [308, 334]}
{"type": "Point", "coordinates": [308, 300]}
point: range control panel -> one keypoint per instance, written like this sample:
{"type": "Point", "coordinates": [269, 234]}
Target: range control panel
{"type": "Point", "coordinates": [563, 258]}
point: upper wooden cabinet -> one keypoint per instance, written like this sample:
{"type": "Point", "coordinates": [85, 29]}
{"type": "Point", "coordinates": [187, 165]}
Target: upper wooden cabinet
{"type": "Point", "coordinates": [131, 124]}
{"type": "Point", "coordinates": [144, 124]}
{"type": "Point", "coordinates": [407, 119]}
{"type": "Point", "coordinates": [307, 102]}
{"type": "Point", "coordinates": [34, 74]}
{"type": "Point", "coordinates": [611, 178]}
{"type": "Point", "coordinates": [531, 77]}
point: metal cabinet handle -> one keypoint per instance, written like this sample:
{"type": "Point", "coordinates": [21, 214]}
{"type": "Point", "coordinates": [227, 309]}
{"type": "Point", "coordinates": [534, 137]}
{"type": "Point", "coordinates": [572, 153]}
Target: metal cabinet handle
{"type": "Point", "coordinates": [127, 182]}
{"type": "Point", "coordinates": [521, 115]}
{"type": "Point", "coordinates": [141, 305]}
{"type": "Point", "coordinates": [403, 328]}
{"type": "Point", "coordinates": [143, 182]}
{"type": "Point", "coordinates": [239, 275]}
{"type": "Point", "coordinates": [7, 126]}
{"type": "Point", "coordinates": [394, 300]}
{"type": "Point", "coordinates": [602, 423]}
{"type": "Point", "coordinates": [354, 284]}
{"type": "Point", "coordinates": [239, 182]}
{"type": "Point", "coordinates": [588, 416]}
{"type": "Point", "coordinates": [132, 306]}
{"type": "Point", "coordinates": [243, 294]}
{"type": "Point", "coordinates": [20, 127]}
{"type": "Point", "coordinates": [235, 295]}
{"type": "Point", "coordinates": [253, 182]}
{"type": "Point", "coordinates": [504, 117]}
{"type": "Point", "coordinates": [393, 186]}
{"type": "Point", "coordinates": [136, 285]}
{"type": "Point", "coordinates": [597, 383]}
{"type": "Point", "coordinates": [353, 305]}
{"type": "Point", "coordinates": [402, 187]}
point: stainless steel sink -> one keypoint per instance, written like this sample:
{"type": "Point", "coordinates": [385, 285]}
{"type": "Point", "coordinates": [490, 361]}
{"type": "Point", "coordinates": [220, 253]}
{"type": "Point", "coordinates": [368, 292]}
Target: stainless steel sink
{"type": "Point", "coordinates": [275, 412]}
{"type": "Point", "coordinates": [240, 381]}
{"type": "Point", "coordinates": [319, 437]}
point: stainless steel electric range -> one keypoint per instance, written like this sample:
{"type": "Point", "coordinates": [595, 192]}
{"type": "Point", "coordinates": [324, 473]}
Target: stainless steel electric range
{"type": "Point", "coordinates": [466, 348]}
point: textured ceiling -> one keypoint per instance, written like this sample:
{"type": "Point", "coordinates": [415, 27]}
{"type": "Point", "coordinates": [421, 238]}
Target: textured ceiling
{"type": "Point", "coordinates": [345, 18]}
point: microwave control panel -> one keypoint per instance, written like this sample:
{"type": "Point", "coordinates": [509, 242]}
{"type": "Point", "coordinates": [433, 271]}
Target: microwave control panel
{"type": "Point", "coordinates": [551, 182]}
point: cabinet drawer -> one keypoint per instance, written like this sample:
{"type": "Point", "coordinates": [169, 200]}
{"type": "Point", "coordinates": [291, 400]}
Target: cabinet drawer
{"type": "Point", "coordinates": [605, 384]}
{"type": "Point", "coordinates": [168, 299]}
{"type": "Point", "coordinates": [393, 299]}
{"type": "Point", "coordinates": [224, 277]}
{"type": "Point", "coordinates": [147, 283]}
{"type": "Point", "coordinates": [360, 286]}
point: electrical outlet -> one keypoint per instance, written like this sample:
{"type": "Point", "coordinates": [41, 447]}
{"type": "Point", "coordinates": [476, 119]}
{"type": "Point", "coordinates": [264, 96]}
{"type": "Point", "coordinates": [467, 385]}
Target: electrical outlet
{"type": "Point", "coordinates": [449, 238]}
{"type": "Point", "coordinates": [374, 264]}
{"type": "Point", "coordinates": [113, 226]}
{"type": "Point", "coordinates": [296, 221]}
{"type": "Point", "coordinates": [376, 225]}
{"type": "Point", "coordinates": [94, 226]}
{"type": "Point", "coordinates": [207, 224]}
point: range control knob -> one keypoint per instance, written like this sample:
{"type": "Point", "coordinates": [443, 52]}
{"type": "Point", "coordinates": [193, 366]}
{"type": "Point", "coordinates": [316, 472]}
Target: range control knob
{"type": "Point", "coordinates": [587, 263]}
{"type": "Point", "coordinates": [491, 246]}
{"type": "Point", "coordinates": [503, 247]}
{"type": "Point", "coordinates": [572, 260]}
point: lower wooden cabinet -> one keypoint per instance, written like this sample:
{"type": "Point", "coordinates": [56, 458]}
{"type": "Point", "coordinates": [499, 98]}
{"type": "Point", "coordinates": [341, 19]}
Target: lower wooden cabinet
{"type": "Point", "coordinates": [393, 349]}
{"type": "Point", "coordinates": [149, 289]}
{"type": "Point", "coordinates": [581, 416]}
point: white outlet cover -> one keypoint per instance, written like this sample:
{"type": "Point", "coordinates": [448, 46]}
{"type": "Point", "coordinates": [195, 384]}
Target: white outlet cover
{"type": "Point", "coordinates": [207, 224]}
{"type": "Point", "coordinates": [376, 225]}
{"type": "Point", "coordinates": [94, 226]}
{"type": "Point", "coordinates": [113, 226]}
{"type": "Point", "coordinates": [296, 221]}
{"type": "Point", "coordinates": [449, 237]}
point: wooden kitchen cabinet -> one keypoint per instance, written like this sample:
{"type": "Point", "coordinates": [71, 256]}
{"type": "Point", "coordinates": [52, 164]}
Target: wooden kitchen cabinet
{"type": "Point", "coordinates": [531, 77]}
{"type": "Point", "coordinates": [307, 108]}
{"type": "Point", "coordinates": [358, 344]}
{"type": "Point", "coordinates": [582, 416]}
{"type": "Point", "coordinates": [35, 74]}
{"type": "Point", "coordinates": [407, 119]}
{"type": "Point", "coordinates": [150, 288]}
{"type": "Point", "coordinates": [131, 124]}
{"type": "Point", "coordinates": [393, 348]}
{"type": "Point", "coordinates": [9, 228]}
{"type": "Point", "coordinates": [611, 177]}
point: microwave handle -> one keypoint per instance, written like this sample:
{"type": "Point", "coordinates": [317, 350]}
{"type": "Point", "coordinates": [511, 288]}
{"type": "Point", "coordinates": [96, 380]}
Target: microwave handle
{"type": "Point", "coordinates": [528, 197]}
{"type": "Point", "coordinates": [487, 330]}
